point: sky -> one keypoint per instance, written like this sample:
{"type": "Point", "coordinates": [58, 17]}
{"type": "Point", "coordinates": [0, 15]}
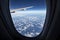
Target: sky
{"type": "Point", "coordinates": [38, 4]}
{"type": "Point", "coordinates": [39, 8]}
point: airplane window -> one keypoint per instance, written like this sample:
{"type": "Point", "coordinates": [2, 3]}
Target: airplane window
{"type": "Point", "coordinates": [28, 16]}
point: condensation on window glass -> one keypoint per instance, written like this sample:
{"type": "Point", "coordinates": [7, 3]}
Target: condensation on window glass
{"type": "Point", "coordinates": [28, 16]}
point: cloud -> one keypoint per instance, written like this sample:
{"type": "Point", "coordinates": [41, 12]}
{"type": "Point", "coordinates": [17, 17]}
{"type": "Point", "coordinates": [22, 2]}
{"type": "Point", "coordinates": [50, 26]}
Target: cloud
{"type": "Point", "coordinates": [37, 33]}
{"type": "Point", "coordinates": [24, 23]}
{"type": "Point", "coordinates": [24, 13]}
{"type": "Point", "coordinates": [32, 11]}
{"type": "Point", "coordinates": [29, 34]}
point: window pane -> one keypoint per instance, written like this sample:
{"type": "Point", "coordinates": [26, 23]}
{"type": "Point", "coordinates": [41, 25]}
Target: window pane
{"type": "Point", "coordinates": [28, 16]}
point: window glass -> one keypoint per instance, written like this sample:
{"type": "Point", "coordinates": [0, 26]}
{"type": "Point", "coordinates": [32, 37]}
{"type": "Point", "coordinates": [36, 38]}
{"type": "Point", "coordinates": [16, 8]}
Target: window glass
{"type": "Point", "coordinates": [28, 16]}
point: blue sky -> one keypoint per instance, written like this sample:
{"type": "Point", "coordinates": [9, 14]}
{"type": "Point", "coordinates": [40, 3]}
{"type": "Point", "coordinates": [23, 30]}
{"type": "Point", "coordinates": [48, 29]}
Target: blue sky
{"type": "Point", "coordinates": [33, 16]}
{"type": "Point", "coordinates": [38, 4]}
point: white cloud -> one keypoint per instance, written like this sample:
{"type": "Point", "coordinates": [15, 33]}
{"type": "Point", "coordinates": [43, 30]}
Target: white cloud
{"type": "Point", "coordinates": [37, 33]}
{"type": "Point", "coordinates": [32, 34]}
{"type": "Point", "coordinates": [27, 22]}
{"type": "Point", "coordinates": [32, 11]}
{"type": "Point", "coordinates": [41, 24]}
{"type": "Point", "coordinates": [23, 13]}
{"type": "Point", "coordinates": [29, 34]}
